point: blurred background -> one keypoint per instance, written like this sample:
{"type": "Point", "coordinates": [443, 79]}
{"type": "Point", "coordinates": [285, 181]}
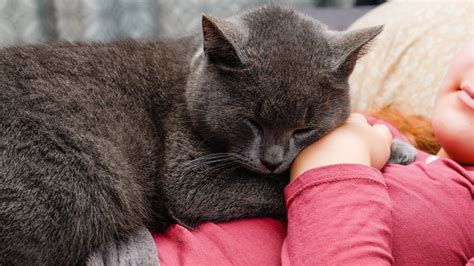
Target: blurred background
{"type": "Point", "coordinates": [36, 21]}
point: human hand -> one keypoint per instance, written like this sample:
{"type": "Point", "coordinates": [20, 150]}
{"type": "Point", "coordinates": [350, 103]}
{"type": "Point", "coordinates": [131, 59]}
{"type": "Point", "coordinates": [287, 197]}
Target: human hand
{"type": "Point", "coordinates": [354, 142]}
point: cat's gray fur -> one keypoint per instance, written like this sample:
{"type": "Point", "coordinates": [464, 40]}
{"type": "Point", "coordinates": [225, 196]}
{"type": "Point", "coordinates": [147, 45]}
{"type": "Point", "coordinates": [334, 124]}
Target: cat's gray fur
{"type": "Point", "coordinates": [401, 152]}
{"type": "Point", "coordinates": [99, 139]}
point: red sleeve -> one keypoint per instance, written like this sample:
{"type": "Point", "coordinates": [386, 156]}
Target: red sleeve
{"type": "Point", "coordinates": [338, 214]}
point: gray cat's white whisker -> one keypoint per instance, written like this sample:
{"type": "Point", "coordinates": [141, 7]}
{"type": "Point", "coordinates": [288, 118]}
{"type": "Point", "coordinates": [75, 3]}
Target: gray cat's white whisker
{"type": "Point", "coordinates": [206, 161]}
{"type": "Point", "coordinates": [220, 167]}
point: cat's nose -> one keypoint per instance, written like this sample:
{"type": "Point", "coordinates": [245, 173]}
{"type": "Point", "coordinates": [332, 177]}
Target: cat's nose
{"type": "Point", "coordinates": [273, 157]}
{"type": "Point", "coordinates": [271, 165]}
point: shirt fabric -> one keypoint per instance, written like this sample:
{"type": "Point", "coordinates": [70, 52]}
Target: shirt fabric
{"type": "Point", "coordinates": [347, 214]}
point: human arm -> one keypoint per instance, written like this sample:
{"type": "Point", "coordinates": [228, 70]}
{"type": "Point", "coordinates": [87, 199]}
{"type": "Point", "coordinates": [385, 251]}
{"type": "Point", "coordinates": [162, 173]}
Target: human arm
{"type": "Point", "coordinates": [339, 211]}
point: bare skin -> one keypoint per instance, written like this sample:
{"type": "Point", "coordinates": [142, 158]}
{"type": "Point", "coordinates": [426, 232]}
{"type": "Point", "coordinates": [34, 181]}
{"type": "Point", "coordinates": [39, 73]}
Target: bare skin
{"type": "Point", "coordinates": [453, 120]}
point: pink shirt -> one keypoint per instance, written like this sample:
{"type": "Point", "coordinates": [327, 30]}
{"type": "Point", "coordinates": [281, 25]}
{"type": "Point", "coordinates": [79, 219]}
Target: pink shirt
{"type": "Point", "coordinates": [420, 214]}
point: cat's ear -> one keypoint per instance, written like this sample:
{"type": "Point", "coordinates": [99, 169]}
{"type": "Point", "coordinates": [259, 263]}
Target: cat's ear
{"type": "Point", "coordinates": [219, 42]}
{"type": "Point", "coordinates": [352, 45]}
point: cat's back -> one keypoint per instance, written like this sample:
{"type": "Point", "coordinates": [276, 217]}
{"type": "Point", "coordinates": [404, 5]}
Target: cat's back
{"type": "Point", "coordinates": [71, 70]}
{"type": "Point", "coordinates": [91, 85]}
{"type": "Point", "coordinates": [80, 138]}
{"type": "Point", "coordinates": [99, 102]}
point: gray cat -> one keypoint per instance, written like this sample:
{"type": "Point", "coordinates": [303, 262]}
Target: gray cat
{"type": "Point", "coordinates": [100, 139]}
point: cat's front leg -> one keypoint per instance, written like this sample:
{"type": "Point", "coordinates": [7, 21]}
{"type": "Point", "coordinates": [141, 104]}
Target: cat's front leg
{"type": "Point", "coordinates": [197, 198]}
{"type": "Point", "coordinates": [136, 249]}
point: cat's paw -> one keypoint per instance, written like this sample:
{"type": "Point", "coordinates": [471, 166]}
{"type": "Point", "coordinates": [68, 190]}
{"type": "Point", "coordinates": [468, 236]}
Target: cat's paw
{"type": "Point", "coordinates": [136, 249]}
{"type": "Point", "coordinates": [401, 152]}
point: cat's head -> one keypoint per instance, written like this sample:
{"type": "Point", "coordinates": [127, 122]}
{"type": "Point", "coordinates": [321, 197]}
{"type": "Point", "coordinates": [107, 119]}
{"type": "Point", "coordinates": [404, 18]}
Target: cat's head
{"type": "Point", "coordinates": [269, 82]}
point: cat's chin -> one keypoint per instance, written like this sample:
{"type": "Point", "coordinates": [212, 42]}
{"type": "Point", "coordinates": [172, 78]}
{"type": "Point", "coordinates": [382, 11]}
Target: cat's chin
{"type": "Point", "coordinates": [263, 172]}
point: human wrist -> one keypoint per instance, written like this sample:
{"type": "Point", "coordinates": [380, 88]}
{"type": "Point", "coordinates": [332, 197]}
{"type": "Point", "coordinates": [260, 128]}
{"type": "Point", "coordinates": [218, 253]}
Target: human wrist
{"type": "Point", "coordinates": [296, 172]}
{"type": "Point", "coordinates": [314, 157]}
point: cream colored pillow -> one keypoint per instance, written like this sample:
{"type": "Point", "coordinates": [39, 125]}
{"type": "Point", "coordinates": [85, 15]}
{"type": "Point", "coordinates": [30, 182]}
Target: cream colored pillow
{"type": "Point", "coordinates": [409, 59]}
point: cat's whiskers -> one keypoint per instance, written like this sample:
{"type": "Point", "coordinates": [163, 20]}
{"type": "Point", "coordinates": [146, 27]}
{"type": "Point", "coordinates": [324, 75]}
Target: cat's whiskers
{"type": "Point", "coordinates": [230, 169]}
{"type": "Point", "coordinates": [205, 162]}
{"type": "Point", "coordinates": [223, 168]}
{"type": "Point", "coordinates": [222, 161]}
{"type": "Point", "coordinates": [206, 159]}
